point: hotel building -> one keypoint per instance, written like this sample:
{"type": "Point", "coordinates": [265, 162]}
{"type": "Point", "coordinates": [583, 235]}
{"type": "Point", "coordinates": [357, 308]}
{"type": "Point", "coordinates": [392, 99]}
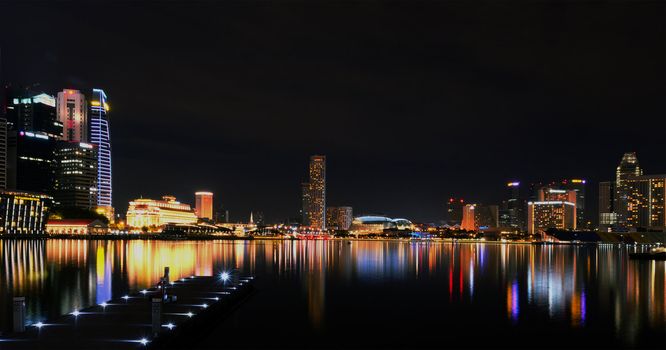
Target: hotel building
{"type": "Point", "coordinates": [543, 215]}
{"type": "Point", "coordinates": [23, 213]}
{"type": "Point", "coordinates": [468, 218]}
{"type": "Point", "coordinates": [204, 205]}
{"type": "Point", "coordinates": [144, 212]}
{"type": "Point", "coordinates": [314, 194]}
{"type": "Point", "coordinates": [646, 202]}
{"type": "Point", "coordinates": [628, 167]}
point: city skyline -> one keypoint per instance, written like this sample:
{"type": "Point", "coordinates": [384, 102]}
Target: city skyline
{"type": "Point", "coordinates": [422, 139]}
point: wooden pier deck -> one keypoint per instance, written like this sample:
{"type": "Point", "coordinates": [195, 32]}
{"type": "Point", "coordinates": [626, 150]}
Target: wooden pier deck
{"type": "Point", "coordinates": [127, 323]}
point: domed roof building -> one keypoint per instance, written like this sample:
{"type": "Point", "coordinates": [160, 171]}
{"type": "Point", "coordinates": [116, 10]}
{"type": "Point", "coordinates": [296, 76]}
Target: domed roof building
{"type": "Point", "coordinates": [365, 225]}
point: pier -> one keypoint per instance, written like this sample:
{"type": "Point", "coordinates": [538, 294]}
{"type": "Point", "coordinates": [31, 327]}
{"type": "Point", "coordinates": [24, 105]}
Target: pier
{"type": "Point", "coordinates": [151, 318]}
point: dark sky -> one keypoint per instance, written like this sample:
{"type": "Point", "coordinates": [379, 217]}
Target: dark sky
{"type": "Point", "coordinates": [411, 101]}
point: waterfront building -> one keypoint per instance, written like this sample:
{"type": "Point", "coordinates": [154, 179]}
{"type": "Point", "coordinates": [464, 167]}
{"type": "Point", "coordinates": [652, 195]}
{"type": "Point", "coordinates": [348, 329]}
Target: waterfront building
{"type": "Point", "coordinates": [30, 161]}
{"type": "Point", "coordinates": [76, 227]}
{"type": "Point", "coordinates": [72, 112]}
{"type": "Point", "coordinates": [454, 211]}
{"type": "Point", "coordinates": [468, 218]}
{"type": "Point", "coordinates": [75, 175]}
{"type": "Point", "coordinates": [3, 154]}
{"type": "Point", "coordinates": [339, 218]}
{"type": "Point", "coordinates": [314, 194]}
{"type": "Point", "coordinates": [607, 215]}
{"type": "Point", "coordinates": [23, 212]}
{"type": "Point", "coordinates": [646, 202]}
{"type": "Point", "coordinates": [156, 213]}
{"type": "Point", "coordinates": [627, 168]}
{"type": "Point", "coordinates": [374, 225]}
{"type": "Point", "coordinates": [100, 136]}
{"type": "Point", "coordinates": [555, 194]}
{"type": "Point", "coordinates": [543, 215]}
{"type": "Point", "coordinates": [512, 212]}
{"type": "Point", "coordinates": [204, 205]}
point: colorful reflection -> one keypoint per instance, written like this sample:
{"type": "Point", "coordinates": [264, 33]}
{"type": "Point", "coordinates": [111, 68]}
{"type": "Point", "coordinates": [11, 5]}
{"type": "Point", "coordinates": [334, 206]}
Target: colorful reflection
{"type": "Point", "coordinates": [562, 283]}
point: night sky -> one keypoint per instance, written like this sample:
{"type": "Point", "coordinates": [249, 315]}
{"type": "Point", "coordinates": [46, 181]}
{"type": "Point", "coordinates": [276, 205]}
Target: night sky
{"type": "Point", "coordinates": [411, 101]}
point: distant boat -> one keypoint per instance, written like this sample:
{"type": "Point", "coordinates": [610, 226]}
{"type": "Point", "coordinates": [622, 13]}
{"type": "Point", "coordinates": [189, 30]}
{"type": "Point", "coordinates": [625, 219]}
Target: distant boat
{"type": "Point", "coordinates": [654, 254]}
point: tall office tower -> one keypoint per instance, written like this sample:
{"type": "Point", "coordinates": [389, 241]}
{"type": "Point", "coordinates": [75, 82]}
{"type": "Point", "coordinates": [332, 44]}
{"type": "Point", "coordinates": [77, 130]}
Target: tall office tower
{"type": "Point", "coordinates": [554, 194]}
{"type": "Point", "coordinates": [607, 215]}
{"type": "Point", "coordinates": [33, 112]}
{"type": "Point", "coordinates": [305, 198]}
{"type": "Point", "coordinates": [454, 211]}
{"type": "Point", "coordinates": [75, 175]}
{"type": "Point", "coordinates": [317, 192]}
{"type": "Point", "coordinates": [3, 153]}
{"type": "Point", "coordinates": [628, 167]}
{"type": "Point", "coordinates": [468, 218]}
{"type": "Point", "coordinates": [100, 136]}
{"type": "Point", "coordinates": [339, 218]}
{"type": "Point", "coordinates": [543, 215]}
{"type": "Point", "coordinates": [486, 216]}
{"type": "Point", "coordinates": [512, 213]}
{"type": "Point", "coordinates": [203, 206]}
{"type": "Point", "coordinates": [646, 198]}
{"type": "Point", "coordinates": [73, 114]}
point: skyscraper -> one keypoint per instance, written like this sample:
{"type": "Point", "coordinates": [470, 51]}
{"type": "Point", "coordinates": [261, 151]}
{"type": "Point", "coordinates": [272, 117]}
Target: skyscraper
{"type": "Point", "coordinates": [100, 136]}
{"type": "Point", "coordinates": [339, 218]}
{"type": "Point", "coordinates": [543, 215]}
{"type": "Point", "coordinates": [204, 205]}
{"type": "Point", "coordinates": [75, 175]}
{"type": "Point", "coordinates": [628, 167]}
{"type": "Point", "coordinates": [454, 211]}
{"type": "Point", "coordinates": [607, 215]}
{"type": "Point", "coordinates": [3, 153]}
{"type": "Point", "coordinates": [512, 212]}
{"type": "Point", "coordinates": [468, 218]}
{"type": "Point", "coordinates": [72, 112]}
{"type": "Point", "coordinates": [646, 198]}
{"type": "Point", "coordinates": [314, 195]}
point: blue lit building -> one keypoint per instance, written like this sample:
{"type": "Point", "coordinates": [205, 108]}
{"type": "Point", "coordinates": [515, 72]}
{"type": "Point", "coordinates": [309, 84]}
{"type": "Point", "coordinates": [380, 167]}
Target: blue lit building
{"type": "Point", "coordinates": [100, 136]}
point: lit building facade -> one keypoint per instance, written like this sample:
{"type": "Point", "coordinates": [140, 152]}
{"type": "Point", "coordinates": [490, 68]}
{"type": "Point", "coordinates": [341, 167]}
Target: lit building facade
{"type": "Point", "coordinates": [374, 225]}
{"type": "Point", "coordinates": [628, 167]}
{"type": "Point", "coordinates": [157, 213]}
{"type": "Point", "coordinates": [543, 215]}
{"type": "Point", "coordinates": [72, 111]}
{"type": "Point", "coordinates": [607, 215]}
{"type": "Point", "coordinates": [75, 175]}
{"type": "Point", "coordinates": [77, 227]}
{"type": "Point", "coordinates": [468, 218]}
{"type": "Point", "coordinates": [100, 136]}
{"type": "Point", "coordinates": [204, 205]}
{"type": "Point", "coordinates": [646, 202]}
{"type": "Point", "coordinates": [23, 212]}
{"type": "Point", "coordinates": [512, 212]}
{"type": "Point", "coordinates": [339, 218]}
{"type": "Point", "coordinates": [314, 194]}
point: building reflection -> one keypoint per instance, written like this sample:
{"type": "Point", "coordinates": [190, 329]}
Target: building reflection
{"type": "Point", "coordinates": [559, 282]}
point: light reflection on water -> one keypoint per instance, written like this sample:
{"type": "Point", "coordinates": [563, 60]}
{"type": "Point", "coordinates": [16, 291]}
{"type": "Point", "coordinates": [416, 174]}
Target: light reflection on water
{"type": "Point", "coordinates": [572, 286]}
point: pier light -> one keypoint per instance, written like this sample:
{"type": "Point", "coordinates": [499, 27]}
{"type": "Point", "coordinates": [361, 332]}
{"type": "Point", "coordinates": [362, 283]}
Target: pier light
{"type": "Point", "coordinates": [170, 325]}
{"type": "Point", "coordinates": [144, 291]}
{"type": "Point", "coordinates": [204, 306]}
{"type": "Point", "coordinates": [182, 280]}
{"type": "Point", "coordinates": [224, 276]}
{"type": "Point", "coordinates": [190, 314]}
{"type": "Point", "coordinates": [217, 298]}
{"type": "Point", "coordinates": [76, 313]}
{"type": "Point", "coordinates": [143, 341]}
{"type": "Point", "coordinates": [125, 297]}
{"type": "Point", "coordinates": [172, 283]}
{"type": "Point", "coordinates": [39, 325]}
{"type": "Point", "coordinates": [192, 276]}
{"type": "Point", "coordinates": [104, 304]}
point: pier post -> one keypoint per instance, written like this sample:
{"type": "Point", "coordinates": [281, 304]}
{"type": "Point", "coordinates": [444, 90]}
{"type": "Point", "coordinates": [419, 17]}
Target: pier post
{"type": "Point", "coordinates": [157, 315]}
{"type": "Point", "coordinates": [19, 314]}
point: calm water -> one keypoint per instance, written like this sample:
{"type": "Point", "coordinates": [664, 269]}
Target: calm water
{"type": "Point", "coordinates": [368, 294]}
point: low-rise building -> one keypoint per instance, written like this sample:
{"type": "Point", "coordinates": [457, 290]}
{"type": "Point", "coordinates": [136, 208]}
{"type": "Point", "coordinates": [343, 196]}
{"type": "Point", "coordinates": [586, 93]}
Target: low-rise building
{"type": "Point", "coordinates": [145, 212]}
{"type": "Point", "coordinates": [77, 227]}
{"type": "Point", "coordinates": [23, 212]}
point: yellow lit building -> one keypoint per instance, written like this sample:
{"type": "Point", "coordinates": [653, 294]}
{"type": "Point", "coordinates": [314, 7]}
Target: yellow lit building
{"type": "Point", "coordinates": [204, 205]}
{"type": "Point", "coordinates": [543, 215]}
{"type": "Point", "coordinates": [151, 212]}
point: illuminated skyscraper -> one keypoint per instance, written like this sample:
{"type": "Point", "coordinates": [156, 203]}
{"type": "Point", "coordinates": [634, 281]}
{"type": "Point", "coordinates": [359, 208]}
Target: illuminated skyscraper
{"type": "Point", "coordinates": [314, 194]}
{"type": "Point", "coordinates": [468, 218]}
{"type": "Point", "coordinates": [512, 213]}
{"type": "Point", "coordinates": [75, 175]}
{"type": "Point", "coordinates": [204, 205]}
{"type": "Point", "coordinates": [628, 168]}
{"type": "Point", "coordinates": [543, 215]}
{"type": "Point", "coordinates": [339, 218]}
{"type": "Point", "coordinates": [607, 215]}
{"type": "Point", "coordinates": [100, 136]}
{"type": "Point", "coordinates": [72, 111]}
{"type": "Point", "coordinates": [646, 198]}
